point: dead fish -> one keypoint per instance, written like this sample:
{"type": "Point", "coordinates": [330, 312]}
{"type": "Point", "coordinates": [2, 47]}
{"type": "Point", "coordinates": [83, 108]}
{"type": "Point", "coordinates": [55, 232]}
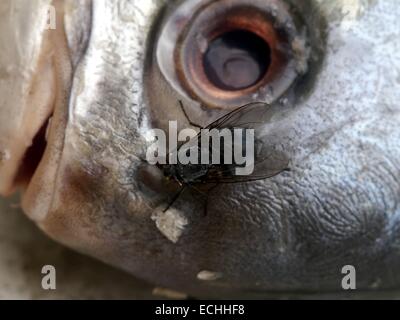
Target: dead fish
{"type": "Point", "coordinates": [77, 104]}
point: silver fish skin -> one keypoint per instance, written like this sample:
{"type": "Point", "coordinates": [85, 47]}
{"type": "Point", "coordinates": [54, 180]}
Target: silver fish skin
{"type": "Point", "coordinates": [292, 233]}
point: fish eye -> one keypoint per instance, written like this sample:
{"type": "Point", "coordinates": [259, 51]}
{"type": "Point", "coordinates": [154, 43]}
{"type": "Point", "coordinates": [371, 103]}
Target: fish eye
{"type": "Point", "coordinates": [231, 52]}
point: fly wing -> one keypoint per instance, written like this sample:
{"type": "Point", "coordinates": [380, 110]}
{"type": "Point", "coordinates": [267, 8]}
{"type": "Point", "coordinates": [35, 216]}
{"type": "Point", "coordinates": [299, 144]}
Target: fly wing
{"type": "Point", "coordinates": [270, 156]}
{"type": "Point", "coordinates": [251, 115]}
{"type": "Point", "coordinates": [268, 167]}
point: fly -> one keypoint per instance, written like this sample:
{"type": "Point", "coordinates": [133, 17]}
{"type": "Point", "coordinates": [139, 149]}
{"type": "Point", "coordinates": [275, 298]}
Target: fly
{"type": "Point", "coordinates": [269, 159]}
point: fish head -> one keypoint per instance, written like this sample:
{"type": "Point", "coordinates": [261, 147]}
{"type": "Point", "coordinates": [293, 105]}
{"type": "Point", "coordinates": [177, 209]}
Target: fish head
{"type": "Point", "coordinates": [90, 92]}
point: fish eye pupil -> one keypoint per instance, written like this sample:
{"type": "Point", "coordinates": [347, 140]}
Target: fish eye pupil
{"type": "Point", "coordinates": [236, 60]}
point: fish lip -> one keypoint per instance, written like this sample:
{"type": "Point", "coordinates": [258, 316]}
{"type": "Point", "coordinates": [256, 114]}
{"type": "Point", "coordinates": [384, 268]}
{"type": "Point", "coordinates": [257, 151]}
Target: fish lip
{"type": "Point", "coordinates": [38, 197]}
{"type": "Point", "coordinates": [40, 149]}
{"type": "Point", "coordinates": [24, 143]}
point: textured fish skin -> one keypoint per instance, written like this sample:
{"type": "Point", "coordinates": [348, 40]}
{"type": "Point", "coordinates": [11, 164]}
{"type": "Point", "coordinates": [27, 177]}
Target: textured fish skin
{"type": "Point", "coordinates": [293, 233]}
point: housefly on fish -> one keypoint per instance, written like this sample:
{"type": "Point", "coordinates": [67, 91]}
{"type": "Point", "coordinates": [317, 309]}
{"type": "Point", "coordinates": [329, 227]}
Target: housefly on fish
{"type": "Point", "coordinates": [243, 132]}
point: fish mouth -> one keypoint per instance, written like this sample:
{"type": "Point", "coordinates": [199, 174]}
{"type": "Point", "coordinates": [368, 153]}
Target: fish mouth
{"type": "Point", "coordinates": [37, 120]}
{"type": "Point", "coordinates": [32, 156]}
{"type": "Point", "coordinates": [31, 149]}
{"type": "Point", "coordinates": [26, 143]}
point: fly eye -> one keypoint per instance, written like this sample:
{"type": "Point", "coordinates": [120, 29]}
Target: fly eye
{"type": "Point", "coordinates": [230, 52]}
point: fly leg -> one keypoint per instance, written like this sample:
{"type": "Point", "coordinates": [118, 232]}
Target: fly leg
{"type": "Point", "coordinates": [176, 196]}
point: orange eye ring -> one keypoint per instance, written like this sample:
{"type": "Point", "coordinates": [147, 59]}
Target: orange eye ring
{"type": "Point", "coordinates": [196, 41]}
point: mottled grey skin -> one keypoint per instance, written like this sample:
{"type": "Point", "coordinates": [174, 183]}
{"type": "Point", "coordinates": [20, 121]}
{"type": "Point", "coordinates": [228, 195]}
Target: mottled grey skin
{"type": "Point", "coordinates": [338, 205]}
